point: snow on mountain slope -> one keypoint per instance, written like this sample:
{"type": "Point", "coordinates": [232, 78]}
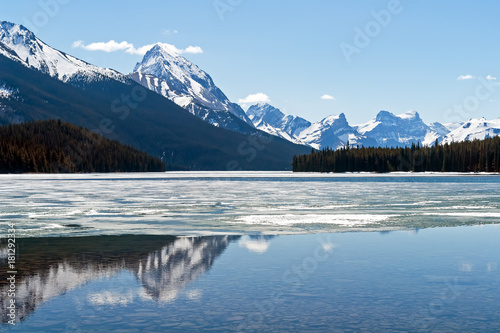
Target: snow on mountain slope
{"type": "Point", "coordinates": [20, 44]}
{"type": "Point", "coordinates": [452, 126]}
{"type": "Point", "coordinates": [386, 129]}
{"type": "Point", "coordinates": [333, 132]}
{"type": "Point", "coordinates": [440, 129]}
{"type": "Point", "coordinates": [271, 120]}
{"type": "Point", "coordinates": [479, 129]}
{"type": "Point", "coordinates": [5, 92]}
{"type": "Point", "coordinates": [164, 71]}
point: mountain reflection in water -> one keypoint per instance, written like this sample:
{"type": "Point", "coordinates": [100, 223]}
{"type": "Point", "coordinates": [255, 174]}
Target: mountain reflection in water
{"type": "Point", "coordinates": [163, 265]}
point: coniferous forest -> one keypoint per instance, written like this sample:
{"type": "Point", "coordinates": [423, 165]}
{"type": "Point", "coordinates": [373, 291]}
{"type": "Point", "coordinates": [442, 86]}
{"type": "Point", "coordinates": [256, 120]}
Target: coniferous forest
{"type": "Point", "coordinates": [57, 147]}
{"type": "Point", "coordinates": [468, 156]}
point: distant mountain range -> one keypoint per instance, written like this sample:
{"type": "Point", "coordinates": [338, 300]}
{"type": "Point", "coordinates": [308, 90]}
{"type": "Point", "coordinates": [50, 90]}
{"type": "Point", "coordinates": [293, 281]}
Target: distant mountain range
{"type": "Point", "coordinates": [474, 129]}
{"type": "Point", "coordinates": [38, 82]}
{"type": "Point", "coordinates": [385, 130]}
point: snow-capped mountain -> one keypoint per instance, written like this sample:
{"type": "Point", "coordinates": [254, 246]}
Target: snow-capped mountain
{"type": "Point", "coordinates": [390, 130]}
{"type": "Point", "coordinates": [442, 129]}
{"type": "Point", "coordinates": [333, 131]}
{"type": "Point", "coordinates": [272, 120]}
{"type": "Point", "coordinates": [20, 44]}
{"type": "Point", "coordinates": [475, 129]}
{"type": "Point", "coordinates": [164, 71]}
{"type": "Point", "coordinates": [386, 129]}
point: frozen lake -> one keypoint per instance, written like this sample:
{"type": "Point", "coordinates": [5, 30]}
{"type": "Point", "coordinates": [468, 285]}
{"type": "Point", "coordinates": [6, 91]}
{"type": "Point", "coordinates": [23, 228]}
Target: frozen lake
{"type": "Point", "coordinates": [252, 252]}
{"type": "Point", "coordinates": [221, 203]}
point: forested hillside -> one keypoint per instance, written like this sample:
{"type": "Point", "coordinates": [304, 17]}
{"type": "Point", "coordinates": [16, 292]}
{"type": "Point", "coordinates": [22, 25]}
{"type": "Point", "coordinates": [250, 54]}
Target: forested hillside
{"type": "Point", "coordinates": [53, 146]}
{"type": "Point", "coordinates": [468, 156]}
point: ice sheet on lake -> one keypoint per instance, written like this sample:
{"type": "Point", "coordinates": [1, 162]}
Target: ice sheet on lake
{"type": "Point", "coordinates": [201, 203]}
{"type": "Point", "coordinates": [351, 220]}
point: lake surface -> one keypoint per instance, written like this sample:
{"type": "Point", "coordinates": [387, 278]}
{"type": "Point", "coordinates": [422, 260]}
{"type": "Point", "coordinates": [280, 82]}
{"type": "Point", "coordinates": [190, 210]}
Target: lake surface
{"type": "Point", "coordinates": [442, 280]}
{"type": "Point", "coordinates": [253, 252]}
{"type": "Point", "coordinates": [208, 203]}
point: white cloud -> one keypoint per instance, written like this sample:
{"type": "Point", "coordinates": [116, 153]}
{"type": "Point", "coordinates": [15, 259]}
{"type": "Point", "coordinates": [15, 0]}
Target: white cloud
{"type": "Point", "coordinates": [193, 49]}
{"type": "Point", "coordinates": [189, 49]}
{"type": "Point", "coordinates": [141, 50]}
{"type": "Point", "coordinates": [110, 46]}
{"type": "Point", "coordinates": [327, 97]}
{"type": "Point", "coordinates": [77, 43]}
{"type": "Point", "coordinates": [255, 98]}
{"type": "Point", "coordinates": [490, 78]}
{"type": "Point", "coordinates": [114, 46]}
{"type": "Point", "coordinates": [465, 77]}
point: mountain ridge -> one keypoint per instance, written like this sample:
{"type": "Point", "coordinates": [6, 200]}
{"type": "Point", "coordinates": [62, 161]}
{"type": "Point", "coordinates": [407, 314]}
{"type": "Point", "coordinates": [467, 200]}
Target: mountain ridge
{"type": "Point", "coordinates": [20, 44]}
{"type": "Point", "coordinates": [384, 130]}
{"type": "Point", "coordinates": [169, 74]}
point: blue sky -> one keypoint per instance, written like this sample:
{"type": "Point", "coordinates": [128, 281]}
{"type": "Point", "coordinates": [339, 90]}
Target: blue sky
{"type": "Point", "coordinates": [440, 58]}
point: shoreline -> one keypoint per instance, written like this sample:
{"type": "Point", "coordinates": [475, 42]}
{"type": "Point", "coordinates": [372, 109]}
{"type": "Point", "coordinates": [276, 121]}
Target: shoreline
{"type": "Point", "coordinates": [248, 174]}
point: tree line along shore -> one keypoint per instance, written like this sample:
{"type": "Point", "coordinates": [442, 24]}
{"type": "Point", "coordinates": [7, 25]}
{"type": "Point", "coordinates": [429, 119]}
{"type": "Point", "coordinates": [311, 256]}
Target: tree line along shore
{"type": "Point", "coordinates": [467, 156]}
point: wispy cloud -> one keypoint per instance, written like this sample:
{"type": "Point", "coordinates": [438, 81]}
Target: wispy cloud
{"type": "Point", "coordinates": [114, 46]}
{"type": "Point", "coordinates": [491, 78]}
{"type": "Point", "coordinates": [327, 97]}
{"type": "Point", "coordinates": [167, 32]}
{"type": "Point", "coordinates": [255, 98]}
{"type": "Point", "coordinates": [465, 77]}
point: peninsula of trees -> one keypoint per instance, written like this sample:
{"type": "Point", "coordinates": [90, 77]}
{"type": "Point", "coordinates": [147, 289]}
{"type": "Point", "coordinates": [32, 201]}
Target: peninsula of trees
{"type": "Point", "coordinates": [468, 156]}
